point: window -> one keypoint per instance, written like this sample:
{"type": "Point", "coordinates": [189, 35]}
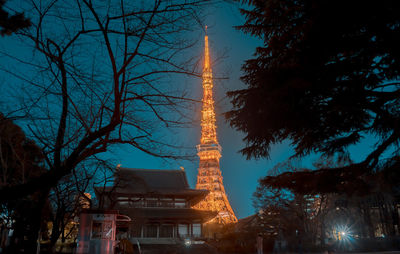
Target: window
{"type": "Point", "coordinates": [152, 202]}
{"type": "Point", "coordinates": [123, 203]}
{"type": "Point", "coordinates": [167, 231]}
{"type": "Point", "coordinates": [107, 229]}
{"type": "Point", "coordinates": [150, 231]}
{"type": "Point", "coordinates": [97, 230]}
{"type": "Point", "coordinates": [197, 229]}
{"type": "Point", "coordinates": [180, 203]}
{"type": "Point", "coordinates": [166, 202]}
{"type": "Point", "coordinates": [183, 230]}
{"type": "Point", "coordinates": [136, 203]}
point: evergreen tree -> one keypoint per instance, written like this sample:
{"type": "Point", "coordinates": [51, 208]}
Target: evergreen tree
{"type": "Point", "coordinates": [326, 76]}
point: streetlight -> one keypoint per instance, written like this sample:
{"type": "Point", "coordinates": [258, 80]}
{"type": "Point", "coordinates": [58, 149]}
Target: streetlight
{"type": "Point", "coordinates": [188, 242]}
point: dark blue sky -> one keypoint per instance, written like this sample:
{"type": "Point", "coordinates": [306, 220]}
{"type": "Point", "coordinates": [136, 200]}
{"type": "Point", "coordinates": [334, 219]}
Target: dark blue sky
{"type": "Point", "coordinates": [240, 175]}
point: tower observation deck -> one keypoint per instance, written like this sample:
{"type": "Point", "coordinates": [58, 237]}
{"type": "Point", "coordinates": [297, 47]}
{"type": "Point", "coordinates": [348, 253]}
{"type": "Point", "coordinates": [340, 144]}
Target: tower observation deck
{"type": "Point", "coordinates": [209, 151]}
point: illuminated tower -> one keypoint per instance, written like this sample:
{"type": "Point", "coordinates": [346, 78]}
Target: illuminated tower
{"type": "Point", "coordinates": [209, 176]}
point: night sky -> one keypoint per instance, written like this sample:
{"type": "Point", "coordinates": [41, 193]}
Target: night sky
{"type": "Point", "coordinates": [240, 175]}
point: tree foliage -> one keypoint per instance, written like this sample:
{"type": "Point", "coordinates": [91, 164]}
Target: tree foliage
{"type": "Point", "coordinates": [11, 23]}
{"type": "Point", "coordinates": [308, 202]}
{"type": "Point", "coordinates": [20, 158]}
{"type": "Point", "coordinates": [325, 77]}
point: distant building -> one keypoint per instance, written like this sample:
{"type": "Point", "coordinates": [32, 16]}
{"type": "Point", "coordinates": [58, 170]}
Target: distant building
{"type": "Point", "coordinates": [158, 202]}
{"type": "Point", "coordinates": [84, 200]}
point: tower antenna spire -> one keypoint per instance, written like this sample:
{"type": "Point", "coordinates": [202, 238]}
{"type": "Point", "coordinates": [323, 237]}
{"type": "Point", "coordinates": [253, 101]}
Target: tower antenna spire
{"type": "Point", "coordinates": [207, 67]}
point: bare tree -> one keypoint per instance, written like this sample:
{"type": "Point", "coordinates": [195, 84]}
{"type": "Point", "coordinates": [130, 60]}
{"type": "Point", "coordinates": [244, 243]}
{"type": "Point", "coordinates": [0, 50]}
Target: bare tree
{"type": "Point", "coordinates": [68, 198]}
{"type": "Point", "coordinates": [99, 73]}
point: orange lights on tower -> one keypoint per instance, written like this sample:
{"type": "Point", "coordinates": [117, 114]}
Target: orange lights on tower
{"type": "Point", "coordinates": [209, 151]}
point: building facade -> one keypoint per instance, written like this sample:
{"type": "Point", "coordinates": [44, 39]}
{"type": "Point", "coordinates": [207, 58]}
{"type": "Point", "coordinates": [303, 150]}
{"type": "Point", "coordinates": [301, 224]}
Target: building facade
{"type": "Point", "coordinates": [159, 202]}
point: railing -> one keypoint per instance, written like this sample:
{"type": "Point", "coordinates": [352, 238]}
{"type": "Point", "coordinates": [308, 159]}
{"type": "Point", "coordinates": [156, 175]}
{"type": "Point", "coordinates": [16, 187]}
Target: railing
{"type": "Point", "coordinates": [208, 147]}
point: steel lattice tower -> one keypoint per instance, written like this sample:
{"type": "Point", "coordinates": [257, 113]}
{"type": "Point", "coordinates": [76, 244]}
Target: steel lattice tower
{"type": "Point", "coordinates": [209, 175]}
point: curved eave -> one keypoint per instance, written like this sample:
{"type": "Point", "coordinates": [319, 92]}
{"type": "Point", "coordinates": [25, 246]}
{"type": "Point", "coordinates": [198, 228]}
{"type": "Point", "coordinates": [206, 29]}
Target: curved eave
{"type": "Point", "coordinates": [193, 196]}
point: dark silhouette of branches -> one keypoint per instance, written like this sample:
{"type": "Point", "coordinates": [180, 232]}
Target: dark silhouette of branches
{"type": "Point", "coordinates": [102, 78]}
{"type": "Point", "coordinates": [97, 74]}
{"type": "Point", "coordinates": [325, 78]}
{"type": "Point", "coordinates": [11, 23]}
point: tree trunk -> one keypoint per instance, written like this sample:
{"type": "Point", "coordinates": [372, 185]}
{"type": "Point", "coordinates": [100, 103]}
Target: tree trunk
{"type": "Point", "coordinates": [63, 231]}
{"type": "Point", "coordinates": [36, 218]}
{"type": "Point", "coordinates": [55, 234]}
{"type": "Point", "coordinates": [395, 219]}
{"type": "Point", "coordinates": [322, 228]}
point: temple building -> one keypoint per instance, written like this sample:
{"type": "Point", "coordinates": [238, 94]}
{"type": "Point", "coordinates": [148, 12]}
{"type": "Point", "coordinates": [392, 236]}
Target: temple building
{"type": "Point", "coordinates": [209, 151]}
{"type": "Point", "coordinates": [158, 202]}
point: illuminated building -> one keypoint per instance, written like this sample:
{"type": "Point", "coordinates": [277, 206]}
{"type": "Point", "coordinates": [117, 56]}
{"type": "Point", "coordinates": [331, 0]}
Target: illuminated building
{"type": "Point", "coordinates": [159, 202]}
{"type": "Point", "coordinates": [84, 200]}
{"type": "Point", "coordinates": [209, 175]}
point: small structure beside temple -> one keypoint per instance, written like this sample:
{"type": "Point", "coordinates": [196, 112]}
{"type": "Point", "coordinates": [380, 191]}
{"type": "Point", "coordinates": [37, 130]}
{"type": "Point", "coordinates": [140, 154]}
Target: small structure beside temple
{"type": "Point", "coordinates": [159, 202]}
{"type": "Point", "coordinates": [97, 230]}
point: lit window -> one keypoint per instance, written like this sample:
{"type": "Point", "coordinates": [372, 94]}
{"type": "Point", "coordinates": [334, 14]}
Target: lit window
{"type": "Point", "coordinates": [123, 203]}
{"type": "Point", "coordinates": [180, 204]}
{"type": "Point", "coordinates": [183, 230]}
{"type": "Point", "coordinates": [197, 230]}
{"type": "Point", "coordinates": [136, 203]}
{"type": "Point", "coordinates": [166, 202]}
{"type": "Point", "coordinates": [151, 202]}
